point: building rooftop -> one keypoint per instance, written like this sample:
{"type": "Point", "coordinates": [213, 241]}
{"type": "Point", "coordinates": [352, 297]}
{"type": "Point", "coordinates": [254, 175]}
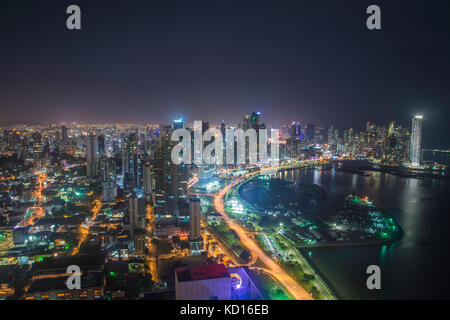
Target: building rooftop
{"type": "Point", "coordinates": [88, 280]}
{"type": "Point", "coordinates": [59, 264]}
{"type": "Point", "coordinates": [203, 272]}
{"type": "Point", "coordinates": [6, 273]}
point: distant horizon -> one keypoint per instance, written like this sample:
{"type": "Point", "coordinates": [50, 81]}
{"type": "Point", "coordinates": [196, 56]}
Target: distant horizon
{"type": "Point", "coordinates": [359, 128]}
{"type": "Point", "coordinates": [312, 62]}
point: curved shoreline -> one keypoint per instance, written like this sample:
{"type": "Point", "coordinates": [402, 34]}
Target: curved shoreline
{"type": "Point", "coordinates": [398, 236]}
{"type": "Point", "coordinates": [321, 278]}
{"type": "Point", "coordinates": [290, 284]}
{"type": "Point", "coordinates": [378, 242]}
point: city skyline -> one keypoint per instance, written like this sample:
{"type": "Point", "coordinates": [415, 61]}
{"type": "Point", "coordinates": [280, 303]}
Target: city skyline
{"type": "Point", "coordinates": [169, 64]}
{"type": "Point", "coordinates": [227, 150]}
{"type": "Point", "coordinates": [110, 198]}
{"type": "Point", "coordinates": [303, 127]}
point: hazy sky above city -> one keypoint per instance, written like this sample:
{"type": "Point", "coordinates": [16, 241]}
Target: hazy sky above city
{"type": "Point", "coordinates": [151, 61]}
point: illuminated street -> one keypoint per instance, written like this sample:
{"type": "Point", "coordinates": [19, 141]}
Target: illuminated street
{"type": "Point", "coordinates": [84, 228]}
{"type": "Point", "coordinates": [294, 288]}
{"type": "Point", "coordinates": [36, 212]}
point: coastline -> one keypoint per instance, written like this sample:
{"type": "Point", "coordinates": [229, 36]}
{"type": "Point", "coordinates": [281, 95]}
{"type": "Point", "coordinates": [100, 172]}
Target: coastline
{"type": "Point", "coordinates": [321, 278]}
{"type": "Point", "coordinates": [360, 166]}
{"type": "Point", "coordinates": [301, 249]}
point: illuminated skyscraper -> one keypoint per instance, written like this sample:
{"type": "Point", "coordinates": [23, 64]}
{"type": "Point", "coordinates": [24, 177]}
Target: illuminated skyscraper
{"type": "Point", "coordinates": [63, 134]}
{"type": "Point", "coordinates": [170, 179]}
{"type": "Point", "coordinates": [256, 120]}
{"type": "Point", "coordinates": [178, 124]}
{"type": "Point", "coordinates": [109, 191]}
{"type": "Point", "coordinates": [148, 179]}
{"type": "Point", "coordinates": [163, 165]}
{"type": "Point", "coordinates": [195, 214]}
{"type": "Point", "coordinates": [331, 135]}
{"type": "Point", "coordinates": [108, 169]}
{"type": "Point", "coordinates": [137, 214]}
{"type": "Point", "coordinates": [108, 176]}
{"type": "Point", "coordinates": [92, 156]}
{"type": "Point", "coordinates": [295, 130]}
{"type": "Point", "coordinates": [101, 145]}
{"type": "Point", "coordinates": [130, 162]}
{"type": "Point", "coordinates": [310, 133]}
{"type": "Point", "coordinates": [397, 144]}
{"type": "Point", "coordinates": [223, 129]}
{"type": "Point", "coordinates": [416, 138]}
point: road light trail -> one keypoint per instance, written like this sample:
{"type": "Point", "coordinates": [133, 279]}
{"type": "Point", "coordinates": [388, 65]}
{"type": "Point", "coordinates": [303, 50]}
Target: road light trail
{"type": "Point", "coordinates": [85, 231]}
{"type": "Point", "coordinates": [293, 287]}
{"type": "Point", "coordinates": [38, 212]}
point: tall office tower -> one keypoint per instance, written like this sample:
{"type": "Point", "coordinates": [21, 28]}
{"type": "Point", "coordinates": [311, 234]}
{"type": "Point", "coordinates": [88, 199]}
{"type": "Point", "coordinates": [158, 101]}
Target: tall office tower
{"type": "Point", "coordinates": [139, 242]}
{"type": "Point", "coordinates": [170, 179]}
{"type": "Point", "coordinates": [331, 139]}
{"type": "Point", "coordinates": [181, 177]}
{"type": "Point", "coordinates": [295, 130]}
{"type": "Point", "coordinates": [116, 145]}
{"type": "Point", "coordinates": [92, 156]}
{"type": "Point", "coordinates": [380, 143]}
{"type": "Point", "coordinates": [320, 134]}
{"type": "Point", "coordinates": [246, 123]}
{"type": "Point", "coordinates": [178, 124]}
{"type": "Point", "coordinates": [293, 147]}
{"type": "Point", "coordinates": [310, 133]}
{"type": "Point", "coordinates": [165, 132]}
{"type": "Point", "coordinates": [137, 212]}
{"type": "Point", "coordinates": [195, 215]}
{"type": "Point", "coordinates": [255, 121]}
{"type": "Point", "coordinates": [391, 141]}
{"type": "Point", "coordinates": [223, 129]}
{"type": "Point", "coordinates": [129, 147]}
{"type": "Point", "coordinates": [109, 191]}
{"type": "Point", "coordinates": [163, 165]}
{"type": "Point", "coordinates": [108, 175]}
{"type": "Point", "coordinates": [370, 137]}
{"type": "Point", "coordinates": [348, 137]}
{"type": "Point", "coordinates": [108, 169]}
{"type": "Point", "coordinates": [357, 144]}
{"type": "Point", "coordinates": [205, 126]}
{"type": "Point", "coordinates": [136, 174]}
{"type": "Point", "coordinates": [148, 179]}
{"type": "Point", "coordinates": [63, 134]}
{"type": "Point", "coordinates": [101, 145]}
{"type": "Point", "coordinates": [251, 122]}
{"type": "Point", "coordinates": [416, 140]}
{"type": "Point", "coordinates": [137, 224]}
{"type": "Point", "coordinates": [130, 162]}
{"type": "Point", "coordinates": [397, 144]}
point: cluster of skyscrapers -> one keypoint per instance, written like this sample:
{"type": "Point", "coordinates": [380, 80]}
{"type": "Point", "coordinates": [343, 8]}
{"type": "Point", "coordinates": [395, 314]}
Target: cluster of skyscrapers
{"type": "Point", "coordinates": [66, 188]}
{"type": "Point", "coordinates": [391, 144]}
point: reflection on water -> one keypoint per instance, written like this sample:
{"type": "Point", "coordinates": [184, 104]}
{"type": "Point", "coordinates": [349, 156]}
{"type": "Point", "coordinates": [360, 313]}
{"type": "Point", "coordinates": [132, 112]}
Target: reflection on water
{"type": "Point", "coordinates": [414, 267]}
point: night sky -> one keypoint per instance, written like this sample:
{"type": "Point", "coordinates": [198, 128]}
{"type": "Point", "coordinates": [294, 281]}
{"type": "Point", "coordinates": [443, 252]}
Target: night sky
{"type": "Point", "coordinates": [151, 61]}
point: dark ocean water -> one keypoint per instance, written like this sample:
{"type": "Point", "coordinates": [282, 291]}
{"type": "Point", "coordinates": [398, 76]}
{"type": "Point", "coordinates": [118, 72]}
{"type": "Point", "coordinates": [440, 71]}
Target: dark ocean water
{"type": "Point", "coordinates": [415, 267]}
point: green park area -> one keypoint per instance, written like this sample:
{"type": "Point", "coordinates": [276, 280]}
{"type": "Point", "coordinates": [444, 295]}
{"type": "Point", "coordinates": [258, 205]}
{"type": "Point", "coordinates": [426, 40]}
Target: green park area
{"type": "Point", "coordinates": [272, 288]}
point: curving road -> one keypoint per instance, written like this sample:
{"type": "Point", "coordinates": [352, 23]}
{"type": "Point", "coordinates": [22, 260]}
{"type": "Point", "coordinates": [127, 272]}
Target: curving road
{"type": "Point", "coordinates": [83, 232]}
{"type": "Point", "coordinates": [293, 287]}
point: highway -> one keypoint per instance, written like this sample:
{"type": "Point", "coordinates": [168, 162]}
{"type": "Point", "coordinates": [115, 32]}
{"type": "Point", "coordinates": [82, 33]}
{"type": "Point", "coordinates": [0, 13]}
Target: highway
{"type": "Point", "coordinates": [273, 268]}
{"type": "Point", "coordinates": [319, 284]}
